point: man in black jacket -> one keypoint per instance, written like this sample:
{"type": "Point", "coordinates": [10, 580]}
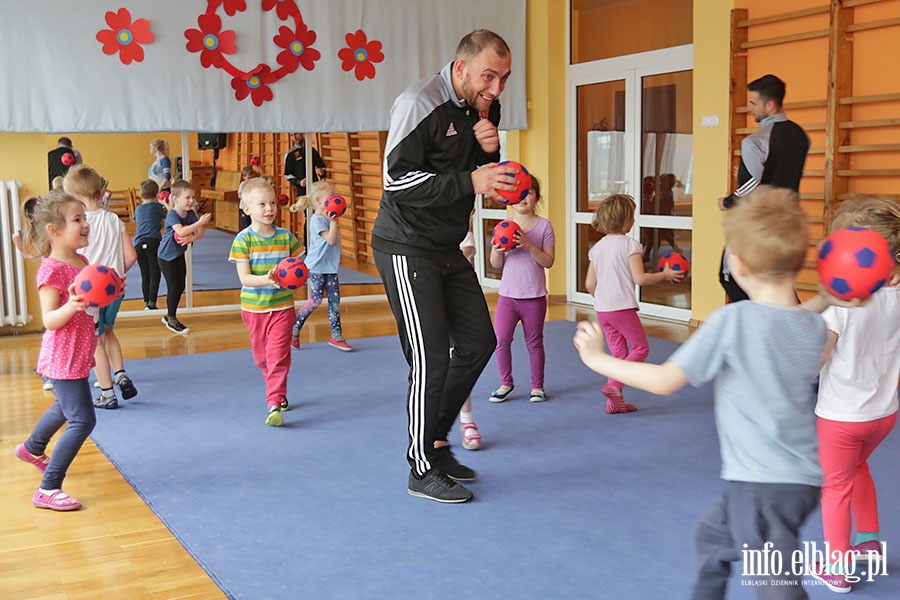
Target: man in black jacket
{"type": "Point", "coordinates": [60, 159]}
{"type": "Point", "coordinates": [440, 152]}
{"type": "Point", "coordinates": [772, 155]}
{"type": "Point", "coordinates": [295, 165]}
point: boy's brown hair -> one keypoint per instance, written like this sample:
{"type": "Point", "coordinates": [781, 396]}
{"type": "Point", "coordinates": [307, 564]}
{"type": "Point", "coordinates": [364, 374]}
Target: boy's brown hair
{"type": "Point", "coordinates": [769, 231]}
{"type": "Point", "coordinates": [149, 189]}
{"type": "Point", "coordinates": [246, 172]}
{"type": "Point", "coordinates": [613, 213]}
{"type": "Point", "coordinates": [179, 187]}
{"type": "Point", "coordinates": [82, 182]}
{"type": "Point", "coordinates": [878, 214]}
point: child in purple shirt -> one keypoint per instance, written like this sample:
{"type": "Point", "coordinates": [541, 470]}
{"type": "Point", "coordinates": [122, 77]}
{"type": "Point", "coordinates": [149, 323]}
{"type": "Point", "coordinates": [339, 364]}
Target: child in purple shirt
{"type": "Point", "coordinates": [523, 294]}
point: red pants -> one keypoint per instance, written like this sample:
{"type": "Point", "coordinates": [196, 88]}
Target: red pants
{"type": "Point", "coordinates": [844, 449]}
{"type": "Point", "coordinates": [270, 341]}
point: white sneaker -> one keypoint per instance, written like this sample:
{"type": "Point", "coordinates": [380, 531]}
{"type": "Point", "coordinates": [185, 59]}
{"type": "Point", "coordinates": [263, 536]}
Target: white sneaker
{"type": "Point", "coordinates": [471, 439]}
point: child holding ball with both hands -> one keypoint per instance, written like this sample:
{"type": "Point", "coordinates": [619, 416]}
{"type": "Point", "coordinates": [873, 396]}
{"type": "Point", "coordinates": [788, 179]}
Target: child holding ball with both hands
{"type": "Point", "coordinates": [763, 356]}
{"type": "Point", "coordinates": [857, 402]}
{"type": "Point", "coordinates": [523, 293]}
{"type": "Point", "coordinates": [267, 309]}
{"type": "Point", "coordinates": [57, 230]}
{"type": "Point", "coordinates": [615, 267]}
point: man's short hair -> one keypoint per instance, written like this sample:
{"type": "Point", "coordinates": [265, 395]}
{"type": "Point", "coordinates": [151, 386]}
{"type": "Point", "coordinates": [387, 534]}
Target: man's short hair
{"type": "Point", "coordinates": [769, 231]}
{"type": "Point", "coordinates": [473, 43]}
{"type": "Point", "coordinates": [64, 141]}
{"type": "Point", "coordinates": [768, 87]}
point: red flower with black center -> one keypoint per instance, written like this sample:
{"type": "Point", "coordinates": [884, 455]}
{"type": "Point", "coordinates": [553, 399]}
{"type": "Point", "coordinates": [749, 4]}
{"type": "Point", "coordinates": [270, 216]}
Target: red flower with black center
{"type": "Point", "coordinates": [125, 36]}
{"type": "Point", "coordinates": [254, 86]}
{"type": "Point", "coordinates": [361, 55]}
{"type": "Point", "coordinates": [284, 10]}
{"type": "Point", "coordinates": [297, 47]}
{"type": "Point", "coordinates": [210, 41]}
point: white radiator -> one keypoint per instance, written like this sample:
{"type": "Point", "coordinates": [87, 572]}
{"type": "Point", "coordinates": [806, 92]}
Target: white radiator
{"type": "Point", "coordinates": [13, 300]}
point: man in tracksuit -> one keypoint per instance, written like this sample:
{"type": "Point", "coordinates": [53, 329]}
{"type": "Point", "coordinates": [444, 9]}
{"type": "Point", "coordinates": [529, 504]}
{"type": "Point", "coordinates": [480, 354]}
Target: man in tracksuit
{"type": "Point", "coordinates": [773, 155]}
{"type": "Point", "coordinates": [440, 152]}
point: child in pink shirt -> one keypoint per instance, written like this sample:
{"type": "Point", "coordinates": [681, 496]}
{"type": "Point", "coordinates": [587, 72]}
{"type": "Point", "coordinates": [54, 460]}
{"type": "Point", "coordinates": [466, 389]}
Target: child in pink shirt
{"type": "Point", "coordinates": [615, 268]}
{"type": "Point", "coordinates": [57, 230]}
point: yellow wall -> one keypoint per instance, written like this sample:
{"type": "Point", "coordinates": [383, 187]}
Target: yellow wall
{"type": "Point", "coordinates": [712, 77]}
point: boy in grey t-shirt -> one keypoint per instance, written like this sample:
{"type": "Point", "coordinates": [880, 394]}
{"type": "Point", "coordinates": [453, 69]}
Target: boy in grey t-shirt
{"type": "Point", "coordinates": [763, 356]}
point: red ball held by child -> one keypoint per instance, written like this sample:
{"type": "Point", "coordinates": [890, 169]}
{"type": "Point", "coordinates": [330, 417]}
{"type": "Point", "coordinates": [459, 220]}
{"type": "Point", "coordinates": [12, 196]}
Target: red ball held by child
{"type": "Point", "coordinates": [98, 285]}
{"type": "Point", "coordinates": [676, 261]}
{"type": "Point", "coordinates": [335, 206]}
{"type": "Point", "coordinates": [854, 263]}
{"type": "Point", "coordinates": [291, 273]}
{"type": "Point", "coordinates": [523, 184]}
{"type": "Point", "coordinates": [505, 234]}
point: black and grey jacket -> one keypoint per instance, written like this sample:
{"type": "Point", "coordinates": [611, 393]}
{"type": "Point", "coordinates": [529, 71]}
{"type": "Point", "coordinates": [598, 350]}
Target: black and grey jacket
{"type": "Point", "coordinates": [429, 157]}
{"type": "Point", "coordinates": [773, 155]}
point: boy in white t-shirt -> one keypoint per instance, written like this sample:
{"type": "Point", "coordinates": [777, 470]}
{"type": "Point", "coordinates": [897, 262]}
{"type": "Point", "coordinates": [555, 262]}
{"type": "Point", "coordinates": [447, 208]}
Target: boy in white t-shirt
{"type": "Point", "coordinates": [109, 245]}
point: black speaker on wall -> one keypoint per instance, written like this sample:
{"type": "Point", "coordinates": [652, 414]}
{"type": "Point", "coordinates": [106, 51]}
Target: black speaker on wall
{"type": "Point", "coordinates": [211, 141]}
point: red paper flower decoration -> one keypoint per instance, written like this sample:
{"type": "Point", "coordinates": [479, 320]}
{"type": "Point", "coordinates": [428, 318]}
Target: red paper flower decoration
{"type": "Point", "coordinates": [124, 36]}
{"type": "Point", "coordinates": [361, 55]}
{"type": "Point", "coordinates": [210, 41]}
{"type": "Point", "coordinates": [254, 86]}
{"type": "Point", "coordinates": [297, 47]}
{"type": "Point", "coordinates": [234, 6]}
{"type": "Point", "coordinates": [285, 9]}
{"type": "Point", "coordinates": [213, 44]}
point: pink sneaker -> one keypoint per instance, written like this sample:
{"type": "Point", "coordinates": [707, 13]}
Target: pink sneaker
{"type": "Point", "coordinates": [471, 439]}
{"type": "Point", "coordinates": [340, 345]}
{"type": "Point", "coordinates": [40, 462]}
{"type": "Point", "coordinates": [55, 500]}
{"type": "Point", "coordinates": [615, 403]}
{"type": "Point", "coordinates": [868, 551]}
{"type": "Point", "coordinates": [834, 582]}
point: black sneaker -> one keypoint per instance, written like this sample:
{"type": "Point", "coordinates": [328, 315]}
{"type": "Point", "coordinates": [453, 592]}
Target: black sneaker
{"type": "Point", "coordinates": [446, 462]}
{"type": "Point", "coordinates": [126, 386]}
{"type": "Point", "coordinates": [284, 406]}
{"type": "Point", "coordinates": [437, 486]}
{"type": "Point", "coordinates": [174, 325]}
{"type": "Point", "coordinates": [108, 403]}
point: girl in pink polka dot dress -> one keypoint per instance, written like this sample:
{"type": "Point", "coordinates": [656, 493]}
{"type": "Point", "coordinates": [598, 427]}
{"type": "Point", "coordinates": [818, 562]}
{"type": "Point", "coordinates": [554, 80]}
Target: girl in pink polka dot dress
{"type": "Point", "coordinates": [56, 231]}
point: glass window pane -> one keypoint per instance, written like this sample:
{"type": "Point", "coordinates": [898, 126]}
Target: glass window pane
{"type": "Point", "coordinates": [587, 237]}
{"type": "Point", "coordinates": [607, 28]}
{"type": "Point", "coordinates": [658, 244]}
{"type": "Point", "coordinates": [489, 271]}
{"type": "Point", "coordinates": [601, 142]}
{"type": "Point", "coordinates": [667, 152]}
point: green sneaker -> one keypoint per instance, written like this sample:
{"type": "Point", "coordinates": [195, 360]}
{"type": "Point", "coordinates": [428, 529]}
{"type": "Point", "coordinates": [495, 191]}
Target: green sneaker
{"type": "Point", "coordinates": [274, 418]}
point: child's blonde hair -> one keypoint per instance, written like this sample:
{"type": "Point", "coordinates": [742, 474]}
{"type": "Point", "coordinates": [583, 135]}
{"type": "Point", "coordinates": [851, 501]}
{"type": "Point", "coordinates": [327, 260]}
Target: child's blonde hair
{"type": "Point", "coordinates": [313, 191]}
{"type": "Point", "coordinates": [48, 210]}
{"type": "Point", "coordinates": [82, 181]}
{"type": "Point", "coordinates": [769, 231]}
{"type": "Point", "coordinates": [613, 213]}
{"type": "Point", "coordinates": [251, 185]}
{"type": "Point", "coordinates": [160, 145]}
{"type": "Point", "coordinates": [57, 183]}
{"type": "Point", "coordinates": [149, 190]}
{"type": "Point", "coordinates": [877, 214]}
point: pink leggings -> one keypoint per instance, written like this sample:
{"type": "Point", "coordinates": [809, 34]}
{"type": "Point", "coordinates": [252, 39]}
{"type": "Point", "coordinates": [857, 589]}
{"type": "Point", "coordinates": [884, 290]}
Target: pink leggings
{"type": "Point", "coordinates": [844, 449]}
{"type": "Point", "coordinates": [623, 328]}
{"type": "Point", "coordinates": [531, 311]}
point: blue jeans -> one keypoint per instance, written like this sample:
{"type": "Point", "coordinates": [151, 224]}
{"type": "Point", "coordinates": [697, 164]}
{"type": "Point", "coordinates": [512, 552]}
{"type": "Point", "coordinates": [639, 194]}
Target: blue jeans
{"type": "Point", "coordinates": [73, 405]}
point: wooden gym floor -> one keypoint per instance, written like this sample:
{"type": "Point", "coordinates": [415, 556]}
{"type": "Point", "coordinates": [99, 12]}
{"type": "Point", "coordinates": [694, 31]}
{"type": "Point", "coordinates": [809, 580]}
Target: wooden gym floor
{"type": "Point", "coordinates": [115, 547]}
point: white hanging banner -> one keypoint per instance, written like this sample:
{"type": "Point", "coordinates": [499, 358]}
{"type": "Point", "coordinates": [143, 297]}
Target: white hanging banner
{"type": "Point", "coordinates": [235, 65]}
